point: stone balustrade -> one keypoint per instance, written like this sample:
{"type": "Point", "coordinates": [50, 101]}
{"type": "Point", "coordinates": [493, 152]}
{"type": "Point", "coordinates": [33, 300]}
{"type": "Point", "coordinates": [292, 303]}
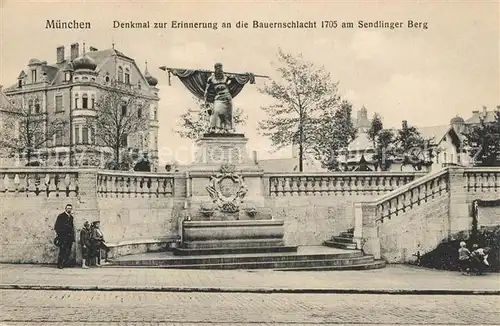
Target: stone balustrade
{"type": "Point", "coordinates": [48, 182]}
{"type": "Point", "coordinates": [412, 194]}
{"type": "Point", "coordinates": [337, 184]}
{"type": "Point", "coordinates": [133, 184]}
{"type": "Point", "coordinates": [482, 179]}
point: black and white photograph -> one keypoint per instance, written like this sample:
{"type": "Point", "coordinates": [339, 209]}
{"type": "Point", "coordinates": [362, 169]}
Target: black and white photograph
{"type": "Point", "coordinates": [202, 163]}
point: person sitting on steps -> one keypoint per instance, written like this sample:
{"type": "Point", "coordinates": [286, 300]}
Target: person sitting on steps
{"type": "Point", "coordinates": [98, 243]}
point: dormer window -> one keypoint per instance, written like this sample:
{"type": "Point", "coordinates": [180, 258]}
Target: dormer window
{"type": "Point", "coordinates": [120, 74]}
{"type": "Point", "coordinates": [127, 76]}
{"type": "Point", "coordinates": [33, 76]}
{"type": "Point", "coordinates": [20, 83]}
{"type": "Point", "coordinates": [106, 79]}
{"type": "Point", "coordinates": [67, 76]}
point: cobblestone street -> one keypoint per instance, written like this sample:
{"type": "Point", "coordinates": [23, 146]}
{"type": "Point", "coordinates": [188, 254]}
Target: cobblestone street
{"type": "Point", "coordinates": [21, 307]}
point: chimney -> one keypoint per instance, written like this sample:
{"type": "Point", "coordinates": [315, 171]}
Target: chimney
{"type": "Point", "coordinates": [405, 124]}
{"type": "Point", "coordinates": [74, 51]}
{"type": "Point", "coordinates": [92, 49]}
{"type": "Point", "coordinates": [475, 112]}
{"type": "Point", "coordinates": [484, 111]}
{"type": "Point", "coordinates": [60, 54]}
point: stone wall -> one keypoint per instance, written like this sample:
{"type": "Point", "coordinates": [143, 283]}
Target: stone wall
{"type": "Point", "coordinates": [420, 215]}
{"type": "Point", "coordinates": [310, 220]}
{"type": "Point", "coordinates": [133, 206]}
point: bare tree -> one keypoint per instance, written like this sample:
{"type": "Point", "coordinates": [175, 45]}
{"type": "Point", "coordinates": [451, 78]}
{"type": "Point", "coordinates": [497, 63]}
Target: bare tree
{"type": "Point", "coordinates": [26, 128]}
{"type": "Point", "coordinates": [121, 114]}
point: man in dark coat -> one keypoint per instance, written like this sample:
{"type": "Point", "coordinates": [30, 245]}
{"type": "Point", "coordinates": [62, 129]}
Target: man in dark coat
{"type": "Point", "coordinates": [66, 234]}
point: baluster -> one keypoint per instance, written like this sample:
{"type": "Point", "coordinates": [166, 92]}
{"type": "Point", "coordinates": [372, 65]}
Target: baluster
{"type": "Point", "coordinates": [330, 185]}
{"type": "Point", "coordinates": [16, 183]}
{"type": "Point", "coordinates": [47, 183]}
{"type": "Point", "coordinates": [311, 186]}
{"type": "Point", "coordinates": [67, 183]}
{"type": "Point", "coordinates": [56, 183]}
{"type": "Point", "coordinates": [294, 188]}
{"type": "Point", "coordinates": [286, 186]}
{"type": "Point", "coordinates": [272, 187]}
{"type": "Point", "coordinates": [154, 187]}
{"type": "Point", "coordinates": [26, 184]}
{"type": "Point", "coordinates": [302, 186]}
{"type": "Point", "coordinates": [150, 186]}
{"type": "Point", "coordinates": [126, 187]}
{"type": "Point", "coordinates": [170, 186]}
{"type": "Point", "coordinates": [157, 187]}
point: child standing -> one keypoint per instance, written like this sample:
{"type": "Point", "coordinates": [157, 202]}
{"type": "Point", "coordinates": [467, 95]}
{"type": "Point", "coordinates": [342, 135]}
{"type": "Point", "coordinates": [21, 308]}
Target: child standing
{"type": "Point", "coordinates": [463, 259]}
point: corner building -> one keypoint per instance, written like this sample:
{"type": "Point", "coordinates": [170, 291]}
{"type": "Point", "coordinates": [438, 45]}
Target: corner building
{"type": "Point", "coordinates": [68, 89]}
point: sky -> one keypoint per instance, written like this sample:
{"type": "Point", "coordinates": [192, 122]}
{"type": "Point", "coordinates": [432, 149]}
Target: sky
{"type": "Point", "coordinates": [425, 76]}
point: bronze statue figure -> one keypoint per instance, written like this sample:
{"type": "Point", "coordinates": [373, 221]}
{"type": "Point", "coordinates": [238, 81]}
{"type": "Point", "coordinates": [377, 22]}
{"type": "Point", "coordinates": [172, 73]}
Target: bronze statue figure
{"type": "Point", "coordinates": [217, 90]}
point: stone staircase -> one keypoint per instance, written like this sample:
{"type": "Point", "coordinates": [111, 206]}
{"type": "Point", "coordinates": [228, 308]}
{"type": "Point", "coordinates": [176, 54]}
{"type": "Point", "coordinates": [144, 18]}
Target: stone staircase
{"type": "Point", "coordinates": [284, 259]}
{"type": "Point", "coordinates": [345, 240]}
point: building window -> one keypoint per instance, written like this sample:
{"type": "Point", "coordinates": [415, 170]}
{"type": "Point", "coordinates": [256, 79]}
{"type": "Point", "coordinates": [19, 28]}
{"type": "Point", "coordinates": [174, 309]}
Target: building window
{"type": "Point", "coordinates": [139, 112]}
{"type": "Point", "coordinates": [85, 101]}
{"type": "Point", "coordinates": [459, 158]}
{"type": "Point", "coordinates": [444, 158]}
{"type": "Point", "coordinates": [20, 83]}
{"type": "Point", "coordinates": [124, 141]}
{"type": "Point", "coordinates": [33, 76]}
{"type": "Point", "coordinates": [30, 106]}
{"type": "Point", "coordinates": [59, 137]}
{"type": "Point", "coordinates": [451, 158]}
{"type": "Point", "coordinates": [155, 113]}
{"type": "Point", "coordinates": [106, 79]}
{"type": "Point", "coordinates": [120, 74]}
{"type": "Point", "coordinates": [85, 135]}
{"type": "Point", "coordinates": [76, 101]}
{"type": "Point", "coordinates": [67, 76]}
{"type": "Point", "coordinates": [77, 135]}
{"type": "Point", "coordinates": [59, 103]}
{"type": "Point", "coordinates": [127, 76]}
{"type": "Point", "coordinates": [124, 110]}
{"type": "Point", "coordinates": [37, 106]}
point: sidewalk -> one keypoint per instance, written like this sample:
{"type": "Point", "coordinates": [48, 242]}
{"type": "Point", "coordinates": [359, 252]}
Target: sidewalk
{"type": "Point", "coordinates": [392, 279]}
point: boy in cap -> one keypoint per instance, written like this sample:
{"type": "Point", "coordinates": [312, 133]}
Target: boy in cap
{"type": "Point", "coordinates": [85, 243]}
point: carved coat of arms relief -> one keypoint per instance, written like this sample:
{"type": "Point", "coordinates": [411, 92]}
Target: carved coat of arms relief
{"type": "Point", "coordinates": [227, 189]}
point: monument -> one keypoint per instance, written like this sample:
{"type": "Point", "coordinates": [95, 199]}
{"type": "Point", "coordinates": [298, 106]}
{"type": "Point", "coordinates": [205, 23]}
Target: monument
{"type": "Point", "coordinates": [225, 207]}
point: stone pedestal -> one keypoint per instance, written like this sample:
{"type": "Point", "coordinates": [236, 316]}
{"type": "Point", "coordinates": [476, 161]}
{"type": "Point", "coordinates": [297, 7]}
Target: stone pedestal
{"type": "Point", "coordinates": [222, 148]}
{"type": "Point", "coordinates": [226, 200]}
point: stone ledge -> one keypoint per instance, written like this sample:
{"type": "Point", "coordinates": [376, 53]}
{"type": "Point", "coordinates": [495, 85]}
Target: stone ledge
{"type": "Point", "coordinates": [138, 246]}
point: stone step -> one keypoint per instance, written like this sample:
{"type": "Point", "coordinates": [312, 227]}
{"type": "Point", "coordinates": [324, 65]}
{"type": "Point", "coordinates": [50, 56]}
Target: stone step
{"type": "Point", "coordinates": [231, 251]}
{"type": "Point", "coordinates": [237, 259]}
{"type": "Point", "coordinates": [371, 265]}
{"type": "Point", "coordinates": [341, 245]}
{"type": "Point", "coordinates": [247, 243]}
{"type": "Point", "coordinates": [339, 262]}
{"type": "Point", "coordinates": [342, 239]}
{"type": "Point", "coordinates": [346, 234]}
